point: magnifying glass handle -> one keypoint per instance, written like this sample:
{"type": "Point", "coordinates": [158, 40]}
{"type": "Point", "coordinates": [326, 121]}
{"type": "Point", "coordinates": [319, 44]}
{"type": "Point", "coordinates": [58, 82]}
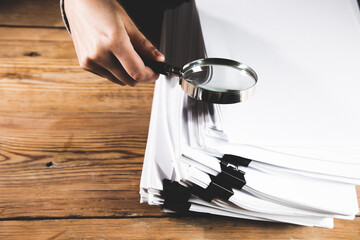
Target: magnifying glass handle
{"type": "Point", "coordinates": [162, 67]}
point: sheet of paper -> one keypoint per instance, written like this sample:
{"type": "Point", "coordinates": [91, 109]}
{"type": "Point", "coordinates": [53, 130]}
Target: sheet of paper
{"type": "Point", "coordinates": [306, 54]}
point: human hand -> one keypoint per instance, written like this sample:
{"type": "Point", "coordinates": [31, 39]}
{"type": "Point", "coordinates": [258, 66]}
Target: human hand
{"type": "Point", "coordinates": [108, 43]}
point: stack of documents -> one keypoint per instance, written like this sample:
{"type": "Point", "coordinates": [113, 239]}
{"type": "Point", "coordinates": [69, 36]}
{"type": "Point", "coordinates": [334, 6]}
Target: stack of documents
{"type": "Point", "coordinates": [291, 153]}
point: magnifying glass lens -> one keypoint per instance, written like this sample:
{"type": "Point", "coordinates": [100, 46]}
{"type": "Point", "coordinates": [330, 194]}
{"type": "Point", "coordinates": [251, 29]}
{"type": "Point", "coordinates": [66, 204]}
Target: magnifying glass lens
{"type": "Point", "coordinates": [219, 78]}
{"type": "Point", "coordinates": [214, 80]}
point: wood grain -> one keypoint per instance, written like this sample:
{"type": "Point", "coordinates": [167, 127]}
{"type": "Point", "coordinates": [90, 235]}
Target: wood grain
{"type": "Point", "coordinates": [71, 143]}
{"type": "Point", "coordinates": [36, 48]}
{"type": "Point", "coordinates": [171, 228]}
{"type": "Point", "coordinates": [92, 132]}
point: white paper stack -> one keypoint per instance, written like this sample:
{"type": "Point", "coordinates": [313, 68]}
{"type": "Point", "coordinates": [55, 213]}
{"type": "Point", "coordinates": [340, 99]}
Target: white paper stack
{"type": "Point", "coordinates": [289, 154]}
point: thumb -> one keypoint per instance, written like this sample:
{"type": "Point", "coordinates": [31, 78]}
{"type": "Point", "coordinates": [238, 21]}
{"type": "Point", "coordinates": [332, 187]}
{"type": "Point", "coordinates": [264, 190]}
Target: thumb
{"type": "Point", "coordinates": [144, 47]}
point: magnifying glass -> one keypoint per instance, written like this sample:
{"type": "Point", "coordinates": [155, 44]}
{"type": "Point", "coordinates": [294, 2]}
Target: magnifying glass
{"type": "Point", "coordinates": [214, 80]}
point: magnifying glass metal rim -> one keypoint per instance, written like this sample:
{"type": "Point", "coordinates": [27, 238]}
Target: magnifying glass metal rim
{"type": "Point", "coordinates": [213, 96]}
{"type": "Point", "coordinates": [198, 91]}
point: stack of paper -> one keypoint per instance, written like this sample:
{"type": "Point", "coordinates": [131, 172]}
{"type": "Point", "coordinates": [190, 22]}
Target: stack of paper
{"type": "Point", "coordinates": [289, 154]}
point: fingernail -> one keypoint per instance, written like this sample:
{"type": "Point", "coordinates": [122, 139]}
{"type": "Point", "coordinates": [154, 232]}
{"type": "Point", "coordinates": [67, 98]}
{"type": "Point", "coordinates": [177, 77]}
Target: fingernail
{"type": "Point", "coordinates": [159, 54]}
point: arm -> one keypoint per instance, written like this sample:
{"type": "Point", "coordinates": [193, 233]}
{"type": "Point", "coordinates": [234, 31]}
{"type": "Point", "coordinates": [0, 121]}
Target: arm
{"type": "Point", "coordinates": [108, 43]}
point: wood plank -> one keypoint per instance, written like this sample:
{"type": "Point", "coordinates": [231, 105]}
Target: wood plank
{"type": "Point", "coordinates": [71, 143]}
{"type": "Point", "coordinates": [32, 34]}
{"type": "Point", "coordinates": [172, 228]}
{"type": "Point", "coordinates": [93, 133]}
{"type": "Point", "coordinates": [25, 47]}
{"type": "Point", "coordinates": [42, 13]}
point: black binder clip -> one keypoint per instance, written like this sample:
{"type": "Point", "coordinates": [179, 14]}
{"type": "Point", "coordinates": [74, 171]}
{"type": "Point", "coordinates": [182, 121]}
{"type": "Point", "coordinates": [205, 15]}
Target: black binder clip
{"type": "Point", "coordinates": [178, 207]}
{"type": "Point", "coordinates": [174, 190]}
{"type": "Point", "coordinates": [175, 197]}
{"type": "Point", "coordinates": [221, 185]}
{"type": "Point", "coordinates": [229, 159]}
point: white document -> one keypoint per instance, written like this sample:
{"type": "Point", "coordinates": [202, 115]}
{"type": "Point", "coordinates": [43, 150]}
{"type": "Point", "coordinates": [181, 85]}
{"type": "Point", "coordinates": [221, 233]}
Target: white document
{"type": "Point", "coordinates": [296, 175]}
{"type": "Point", "coordinates": [307, 56]}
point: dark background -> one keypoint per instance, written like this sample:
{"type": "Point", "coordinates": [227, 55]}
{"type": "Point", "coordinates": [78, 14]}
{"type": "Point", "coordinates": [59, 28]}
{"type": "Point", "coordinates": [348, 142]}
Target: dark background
{"type": "Point", "coordinates": [148, 15]}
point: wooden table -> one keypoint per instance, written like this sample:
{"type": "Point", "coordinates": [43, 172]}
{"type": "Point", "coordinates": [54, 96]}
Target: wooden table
{"type": "Point", "coordinates": [72, 146]}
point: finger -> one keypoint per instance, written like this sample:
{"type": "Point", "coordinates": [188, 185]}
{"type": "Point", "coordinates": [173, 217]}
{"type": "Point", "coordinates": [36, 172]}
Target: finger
{"type": "Point", "coordinates": [131, 61]}
{"type": "Point", "coordinates": [102, 72]}
{"type": "Point", "coordinates": [144, 47]}
{"type": "Point", "coordinates": [118, 70]}
{"type": "Point", "coordinates": [112, 64]}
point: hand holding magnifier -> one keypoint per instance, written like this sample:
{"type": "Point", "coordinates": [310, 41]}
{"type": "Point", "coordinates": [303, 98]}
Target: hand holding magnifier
{"type": "Point", "coordinates": [215, 80]}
